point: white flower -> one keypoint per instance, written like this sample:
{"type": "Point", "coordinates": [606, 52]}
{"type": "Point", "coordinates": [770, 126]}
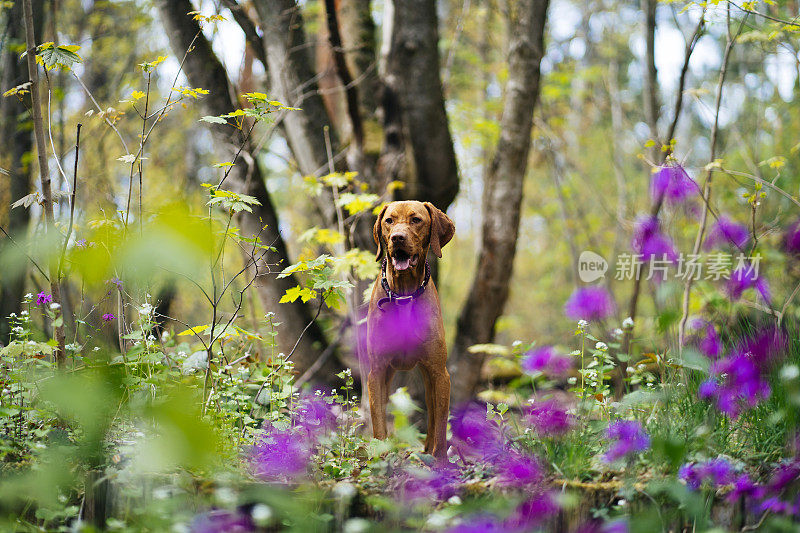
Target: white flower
{"type": "Point", "coordinates": [24, 313]}
{"type": "Point", "coordinates": [627, 323]}
{"type": "Point", "coordinates": [630, 370]}
{"type": "Point", "coordinates": [29, 295]}
{"type": "Point", "coordinates": [582, 324]}
{"type": "Point", "coordinates": [572, 381]}
{"type": "Point", "coordinates": [55, 306]}
{"type": "Point", "coordinates": [790, 372]}
{"type": "Point", "coordinates": [17, 329]}
{"type": "Point", "coordinates": [261, 514]}
{"type": "Point", "coordinates": [96, 349]}
{"type": "Point", "coordinates": [151, 338]}
{"type": "Point", "coordinates": [618, 333]}
{"type": "Point", "coordinates": [601, 346]}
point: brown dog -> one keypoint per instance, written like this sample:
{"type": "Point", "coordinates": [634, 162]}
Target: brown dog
{"type": "Point", "coordinates": [404, 322]}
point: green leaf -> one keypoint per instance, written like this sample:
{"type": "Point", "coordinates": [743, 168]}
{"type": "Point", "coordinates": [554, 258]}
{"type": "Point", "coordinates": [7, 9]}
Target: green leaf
{"type": "Point", "coordinates": [213, 120]}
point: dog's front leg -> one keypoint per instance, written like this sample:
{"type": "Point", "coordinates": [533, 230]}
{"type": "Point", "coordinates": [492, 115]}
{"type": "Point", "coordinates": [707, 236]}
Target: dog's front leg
{"type": "Point", "coordinates": [441, 411]}
{"type": "Point", "coordinates": [378, 394]}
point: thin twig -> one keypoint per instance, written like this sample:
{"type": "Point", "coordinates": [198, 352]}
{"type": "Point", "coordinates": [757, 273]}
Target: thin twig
{"type": "Point", "coordinates": [71, 203]}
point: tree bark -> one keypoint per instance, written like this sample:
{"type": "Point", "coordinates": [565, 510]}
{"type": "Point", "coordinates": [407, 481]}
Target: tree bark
{"type": "Point", "coordinates": [651, 107]}
{"type": "Point", "coordinates": [203, 69]}
{"type": "Point", "coordinates": [502, 198]}
{"type": "Point", "coordinates": [15, 129]}
{"type": "Point", "coordinates": [44, 171]}
{"type": "Point", "coordinates": [414, 85]}
{"type": "Point", "coordinates": [293, 82]}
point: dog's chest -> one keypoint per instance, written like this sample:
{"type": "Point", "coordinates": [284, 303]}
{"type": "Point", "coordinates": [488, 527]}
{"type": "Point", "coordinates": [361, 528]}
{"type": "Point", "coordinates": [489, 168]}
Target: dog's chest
{"type": "Point", "coordinates": [398, 333]}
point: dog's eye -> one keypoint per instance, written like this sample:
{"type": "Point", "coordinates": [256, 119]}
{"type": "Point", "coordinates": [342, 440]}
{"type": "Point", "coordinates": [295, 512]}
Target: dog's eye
{"type": "Point", "coordinates": [388, 220]}
{"type": "Point", "coordinates": [416, 220]}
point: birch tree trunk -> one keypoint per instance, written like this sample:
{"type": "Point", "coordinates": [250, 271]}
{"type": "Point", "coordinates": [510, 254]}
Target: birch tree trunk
{"type": "Point", "coordinates": [503, 182]}
{"type": "Point", "coordinates": [203, 69]}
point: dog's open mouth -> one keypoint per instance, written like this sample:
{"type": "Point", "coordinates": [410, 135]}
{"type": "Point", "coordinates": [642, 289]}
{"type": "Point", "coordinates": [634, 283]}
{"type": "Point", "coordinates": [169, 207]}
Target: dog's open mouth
{"type": "Point", "coordinates": [402, 260]}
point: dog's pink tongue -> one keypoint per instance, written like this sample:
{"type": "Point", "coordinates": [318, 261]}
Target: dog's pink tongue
{"type": "Point", "coordinates": [401, 264]}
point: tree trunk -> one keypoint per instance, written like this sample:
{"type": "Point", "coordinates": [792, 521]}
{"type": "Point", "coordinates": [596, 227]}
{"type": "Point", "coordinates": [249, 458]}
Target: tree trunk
{"type": "Point", "coordinates": [44, 172]}
{"type": "Point", "coordinates": [414, 85]}
{"type": "Point", "coordinates": [16, 131]}
{"type": "Point", "coordinates": [203, 69]}
{"type": "Point", "coordinates": [651, 107]}
{"type": "Point", "coordinates": [502, 198]}
{"type": "Point", "coordinates": [293, 82]}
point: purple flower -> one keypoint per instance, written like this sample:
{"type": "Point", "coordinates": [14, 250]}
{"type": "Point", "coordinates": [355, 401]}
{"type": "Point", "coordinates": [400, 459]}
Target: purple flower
{"type": "Point", "coordinates": [108, 317]}
{"type": "Point", "coordinates": [438, 484]}
{"type": "Point", "coordinates": [549, 417]}
{"type": "Point", "coordinates": [744, 278]}
{"type": "Point", "coordinates": [739, 380]}
{"type": "Point", "coordinates": [117, 282]}
{"type": "Point", "coordinates": [532, 512]}
{"type": "Point", "coordinates": [221, 521]}
{"type": "Point", "coordinates": [546, 359]}
{"type": "Point", "coordinates": [649, 241]}
{"type": "Point", "coordinates": [791, 239]}
{"type": "Point", "coordinates": [627, 438]}
{"type": "Point", "coordinates": [473, 435]}
{"type": "Point", "coordinates": [42, 298]}
{"type": "Point", "coordinates": [519, 470]}
{"type": "Point", "coordinates": [399, 330]}
{"type": "Point", "coordinates": [589, 303]}
{"type": "Point", "coordinates": [315, 416]}
{"type": "Point", "coordinates": [717, 472]}
{"type": "Point", "coordinates": [597, 526]}
{"type": "Point", "coordinates": [740, 385]}
{"type": "Point", "coordinates": [672, 183]}
{"type": "Point", "coordinates": [710, 343]}
{"type": "Point", "coordinates": [280, 455]}
{"type": "Point", "coordinates": [726, 232]}
{"type": "Point", "coordinates": [742, 487]}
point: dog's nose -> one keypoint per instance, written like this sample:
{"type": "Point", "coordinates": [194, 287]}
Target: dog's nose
{"type": "Point", "coordinates": [398, 238]}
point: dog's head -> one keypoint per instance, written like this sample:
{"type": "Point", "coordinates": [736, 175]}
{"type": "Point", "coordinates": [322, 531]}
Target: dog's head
{"type": "Point", "coordinates": [407, 229]}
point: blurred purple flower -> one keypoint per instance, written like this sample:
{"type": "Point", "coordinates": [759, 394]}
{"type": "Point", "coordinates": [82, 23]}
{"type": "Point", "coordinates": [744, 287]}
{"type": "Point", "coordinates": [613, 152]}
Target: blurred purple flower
{"type": "Point", "coordinates": [221, 521]}
{"type": "Point", "coordinates": [589, 303]}
{"type": "Point", "coordinates": [314, 414]}
{"type": "Point", "coordinates": [710, 343]}
{"type": "Point", "coordinates": [738, 385]}
{"type": "Point", "coordinates": [742, 487]}
{"type": "Point", "coordinates": [473, 435]}
{"type": "Point", "coordinates": [739, 380]}
{"type": "Point", "coordinates": [398, 330]}
{"type": "Point", "coordinates": [791, 239]}
{"type": "Point", "coordinates": [627, 438]}
{"type": "Point", "coordinates": [438, 484]}
{"type": "Point", "coordinates": [717, 472]}
{"type": "Point", "coordinates": [546, 359]}
{"type": "Point", "coordinates": [597, 526]}
{"type": "Point", "coordinates": [725, 231]}
{"type": "Point", "coordinates": [519, 470]}
{"type": "Point", "coordinates": [744, 278]}
{"type": "Point", "coordinates": [532, 512]}
{"type": "Point", "coordinates": [280, 455]}
{"type": "Point", "coordinates": [649, 241]}
{"type": "Point", "coordinates": [549, 417]}
{"type": "Point", "coordinates": [671, 183]}
{"type": "Point", "coordinates": [108, 317]}
{"type": "Point", "coordinates": [42, 298]}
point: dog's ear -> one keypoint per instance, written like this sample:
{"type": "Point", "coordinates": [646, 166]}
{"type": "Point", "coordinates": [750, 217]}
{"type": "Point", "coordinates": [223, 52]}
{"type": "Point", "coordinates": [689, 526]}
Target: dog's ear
{"type": "Point", "coordinates": [442, 228]}
{"type": "Point", "coordinates": [376, 234]}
